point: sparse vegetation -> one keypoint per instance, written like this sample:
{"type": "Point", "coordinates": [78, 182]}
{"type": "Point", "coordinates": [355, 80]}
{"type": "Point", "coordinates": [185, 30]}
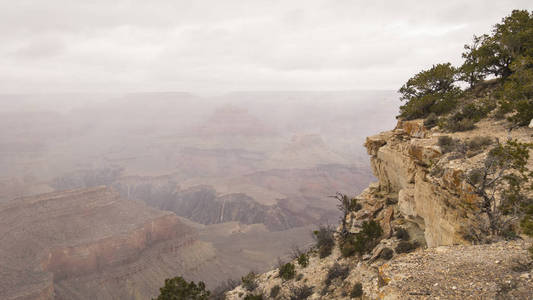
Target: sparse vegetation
{"type": "Point", "coordinates": [301, 292]}
{"type": "Point", "coordinates": [253, 297]}
{"type": "Point", "coordinates": [363, 241]}
{"type": "Point", "coordinates": [446, 143]}
{"type": "Point", "coordinates": [401, 233]}
{"type": "Point", "coordinates": [357, 290]}
{"type": "Point", "coordinates": [469, 147]}
{"type": "Point", "coordinates": [249, 281]}
{"type": "Point", "coordinates": [219, 292]}
{"type": "Point", "coordinates": [431, 120]}
{"type": "Point", "coordinates": [179, 288]}
{"type": "Point", "coordinates": [287, 271]}
{"type": "Point", "coordinates": [324, 240]}
{"type": "Point", "coordinates": [405, 247]}
{"type": "Point", "coordinates": [336, 271]}
{"type": "Point", "coordinates": [504, 173]}
{"type": "Point", "coordinates": [346, 205]}
{"type": "Point", "coordinates": [303, 260]}
{"type": "Point", "coordinates": [274, 291]}
{"type": "Point", "coordinates": [479, 142]}
{"type": "Point", "coordinates": [386, 253]}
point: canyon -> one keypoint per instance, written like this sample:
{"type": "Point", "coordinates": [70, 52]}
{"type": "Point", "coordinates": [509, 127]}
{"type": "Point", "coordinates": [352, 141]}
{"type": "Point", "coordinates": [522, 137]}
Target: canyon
{"type": "Point", "coordinates": [207, 188]}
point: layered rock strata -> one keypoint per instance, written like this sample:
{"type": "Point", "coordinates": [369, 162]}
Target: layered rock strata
{"type": "Point", "coordinates": [50, 241]}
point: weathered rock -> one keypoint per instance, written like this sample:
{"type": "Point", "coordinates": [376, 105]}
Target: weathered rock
{"type": "Point", "coordinates": [64, 244]}
{"type": "Point", "coordinates": [414, 128]}
{"type": "Point", "coordinates": [373, 143]}
{"type": "Point", "coordinates": [401, 167]}
{"type": "Point", "coordinates": [459, 272]}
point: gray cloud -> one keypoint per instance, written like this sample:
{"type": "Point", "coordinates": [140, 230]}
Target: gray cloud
{"type": "Point", "coordinates": [201, 45]}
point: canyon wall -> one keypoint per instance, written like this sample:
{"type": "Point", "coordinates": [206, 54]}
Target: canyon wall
{"type": "Point", "coordinates": [90, 243]}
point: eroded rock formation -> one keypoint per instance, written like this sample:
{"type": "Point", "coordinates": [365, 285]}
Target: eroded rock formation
{"type": "Point", "coordinates": [88, 243]}
{"type": "Point", "coordinates": [429, 218]}
{"type": "Point", "coordinates": [400, 159]}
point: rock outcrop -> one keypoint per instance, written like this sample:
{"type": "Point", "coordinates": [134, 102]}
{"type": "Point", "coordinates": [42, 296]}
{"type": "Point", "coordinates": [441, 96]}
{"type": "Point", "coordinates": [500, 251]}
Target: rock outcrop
{"type": "Point", "coordinates": [401, 161]}
{"type": "Point", "coordinates": [430, 185]}
{"type": "Point", "coordinates": [431, 246]}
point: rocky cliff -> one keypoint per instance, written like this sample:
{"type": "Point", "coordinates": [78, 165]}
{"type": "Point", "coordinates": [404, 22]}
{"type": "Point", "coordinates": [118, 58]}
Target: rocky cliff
{"type": "Point", "coordinates": [90, 244]}
{"type": "Point", "coordinates": [421, 201]}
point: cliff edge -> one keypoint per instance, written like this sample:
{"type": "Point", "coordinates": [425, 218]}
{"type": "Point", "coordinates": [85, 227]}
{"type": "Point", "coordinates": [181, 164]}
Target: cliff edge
{"type": "Point", "coordinates": [433, 239]}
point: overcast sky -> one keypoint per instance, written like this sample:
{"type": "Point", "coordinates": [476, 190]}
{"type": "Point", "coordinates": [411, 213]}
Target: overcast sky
{"type": "Point", "coordinates": [207, 46]}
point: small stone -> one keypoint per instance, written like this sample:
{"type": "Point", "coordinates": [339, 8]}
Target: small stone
{"type": "Point", "coordinates": [497, 262]}
{"type": "Point", "coordinates": [531, 124]}
{"type": "Point", "coordinates": [436, 283]}
{"type": "Point", "coordinates": [525, 276]}
{"type": "Point", "coordinates": [454, 287]}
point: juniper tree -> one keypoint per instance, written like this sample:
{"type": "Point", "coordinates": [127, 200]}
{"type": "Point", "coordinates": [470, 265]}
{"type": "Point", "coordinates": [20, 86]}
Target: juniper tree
{"type": "Point", "coordinates": [501, 182]}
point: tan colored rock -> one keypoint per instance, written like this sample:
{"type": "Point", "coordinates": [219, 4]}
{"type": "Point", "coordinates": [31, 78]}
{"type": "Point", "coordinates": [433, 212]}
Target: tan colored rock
{"type": "Point", "coordinates": [406, 202]}
{"type": "Point", "coordinates": [414, 128]}
{"type": "Point", "coordinates": [373, 143]}
{"type": "Point", "coordinates": [423, 153]}
{"type": "Point", "coordinates": [385, 221]}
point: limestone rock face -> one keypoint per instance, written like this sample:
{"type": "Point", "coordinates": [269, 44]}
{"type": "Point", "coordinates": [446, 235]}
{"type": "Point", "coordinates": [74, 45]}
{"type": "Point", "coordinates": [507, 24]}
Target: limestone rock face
{"type": "Point", "coordinates": [401, 165]}
{"type": "Point", "coordinates": [87, 243]}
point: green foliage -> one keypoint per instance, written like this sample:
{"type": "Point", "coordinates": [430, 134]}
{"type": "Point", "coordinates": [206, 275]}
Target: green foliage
{"type": "Point", "coordinates": [336, 271]}
{"type": "Point", "coordinates": [219, 292]}
{"type": "Point", "coordinates": [465, 117]}
{"type": "Point", "coordinates": [386, 253]}
{"type": "Point", "coordinates": [401, 233]}
{"type": "Point", "coordinates": [431, 120]}
{"type": "Point", "coordinates": [479, 142]}
{"type": "Point", "coordinates": [504, 173]}
{"type": "Point", "coordinates": [303, 260]}
{"type": "Point", "coordinates": [249, 281]}
{"type": "Point", "coordinates": [253, 297]}
{"type": "Point", "coordinates": [301, 292]}
{"type": "Point", "coordinates": [506, 53]}
{"type": "Point", "coordinates": [357, 290]}
{"type": "Point", "coordinates": [274, 291]}
{"type": "Point", "coordinates": [446, 143]}
{"type": "Point", "coordinates": [346, 205]}
{"type": "Point", "coordinates": [363, 241]}
{"type": "Point", "coordinates": [460, 125]}
{"type": "Point", "coordinates": [527, 222]}
{"type": "Point", "coordinates": [372, 229]}
{"type": "Point", "coordinates": [494, 54]}
{"type": "Point", "coordinates": [324, 240]}
{"type": "Point", "coordinates": [518, 91]}
{"type": "Point", "coordinates": [177, 289]}
{"type": "Point", "coordinates": [287, 271]}
{"type": "Point", "coordinates": [432, 90]}
{"type": "Point", "coordinates": [405, 247]}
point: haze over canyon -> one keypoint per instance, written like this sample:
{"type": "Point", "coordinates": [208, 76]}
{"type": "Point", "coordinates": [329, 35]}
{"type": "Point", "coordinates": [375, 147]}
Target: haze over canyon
{"type": "Point", "coordinates": [120, 192]}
